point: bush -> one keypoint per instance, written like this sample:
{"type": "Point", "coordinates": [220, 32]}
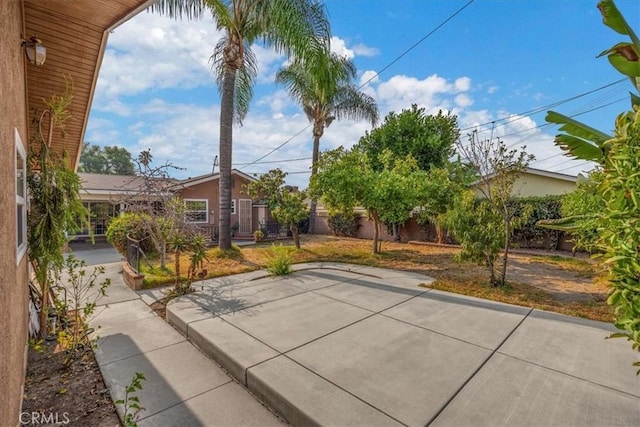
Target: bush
{"type": "Point", "coordinates": [529, 234]}
{"type": "Point", "coordinates": [132, 224]}
{"type": "Point", "coordinates": [280, 260]}
{"type": "Point", "coordinates": [344, 224]}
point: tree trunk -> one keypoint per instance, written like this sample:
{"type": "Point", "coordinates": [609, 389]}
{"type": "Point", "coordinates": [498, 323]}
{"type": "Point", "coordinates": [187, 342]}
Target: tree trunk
{"type": "Point", "coordinates": [163, 255]}
{"type": "Point", "coordinates": [226, 145]}
{"type": "Point", "coordinates": [396, 232]}
{"type": "Point", "coordinates": [507, 242]}
{"type": "Point", "coordinates": [177, 255]}
{"type": "Point", "coordinates": [44, 309]}
{"type": "Point", "coordinates": [296, 235]}
{"type": "Point", "coordinates": [439, 233]}
{"type": "Point", "coordinates": [376, 227]}
{"type": "Point", "coordinates": [318, 130]}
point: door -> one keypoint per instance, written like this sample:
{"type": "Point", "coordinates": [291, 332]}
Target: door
{"type": "Point", "coordinates": [244, 216]}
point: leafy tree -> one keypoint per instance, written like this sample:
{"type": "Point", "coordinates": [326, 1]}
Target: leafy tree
{"type": "Point", "coordinates": [584, 204]}
{"type": "Point", "coordinates": [617, 221]}
{"type": "Point", "coordinates": [106, 160]}
{"type": "Point", "coordinates": [429, 139]}
{"type": "Point", "coordinates": [497, 169]}
{"type": "Point", "coordinates": [440, 191]}
{"type": "Point", "coordinates": [295, 27]}
{"type": "Point", "coordinates": [323, 85]}
{"type": "Point", "coordinates": [286, 206]}
{"type": "Point", "coordinates": [346, 179]}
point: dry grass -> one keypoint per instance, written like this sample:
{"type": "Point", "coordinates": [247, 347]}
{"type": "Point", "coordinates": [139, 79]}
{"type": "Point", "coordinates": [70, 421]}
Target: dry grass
{"type": "Point", "coordinates": [437, 262]}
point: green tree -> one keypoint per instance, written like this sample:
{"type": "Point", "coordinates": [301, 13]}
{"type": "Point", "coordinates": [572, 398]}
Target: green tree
{"type": "Point", "coordinates": [440, 192]}
{"type": "Point", "coordinates": [323, 85]}
{"type": "Point", "coordinates": [430, 139]}
{"type": "Point", "coordinates": [111, 160]}
{"type": "Point", "coordinates": [497, 169]}
{"type": "Point", "coordinates": [286, 206]}
{"type": "Point", "coordinates": [619, 187]}
{"type": "Point", "coordinates": [584, 204]}
{"type": "Point", "coordinates": [295, 27]}
{"type": "Point", "coordinates": [347, 179]}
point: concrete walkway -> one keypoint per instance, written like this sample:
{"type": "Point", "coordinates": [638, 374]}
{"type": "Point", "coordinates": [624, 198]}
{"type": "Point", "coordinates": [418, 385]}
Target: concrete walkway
{"type": "Point", "coordinates": [183, 387]}
{"type": "Point", "coordinates": [338, 345]}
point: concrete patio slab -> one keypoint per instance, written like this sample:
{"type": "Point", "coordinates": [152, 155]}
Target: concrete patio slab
{"type": "Point", "coordinates": [126, 339]}
{"type": "Point", "coordinates": [480, 322]}
{"type": "Point", "coordinates": [405, 371]}
{"type": "Point", "coordinates": [232, 348]}
{"type": "Point", "coordinates": [512, 392]}
{"type": "Point", "coordinates": [288, 323]}
{"type": "Point", "coordinates": [167, 382]}
{"type": "Point", "coordinates": [108, 315]}
{"type": "Point", "coordinates": [369, 293]}
{"type": "Point", "coordinates": [227, 405]}
{"type": "Point", "coordinates": [190, 311]}
{"type": "Point", "coordinates": [576, 347]}
{"type": "Point", "coordinates": [305, 399]}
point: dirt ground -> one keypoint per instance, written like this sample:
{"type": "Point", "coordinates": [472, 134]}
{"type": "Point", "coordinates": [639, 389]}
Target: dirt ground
{"type": "Point", "coordinates": [563, 284]}
{"type": "Point", "coordinates": [75, 396]}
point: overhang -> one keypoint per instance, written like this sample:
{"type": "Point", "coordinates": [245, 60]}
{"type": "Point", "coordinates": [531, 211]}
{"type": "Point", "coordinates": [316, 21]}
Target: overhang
{"type": "Point", "coordinates": [75, 34]}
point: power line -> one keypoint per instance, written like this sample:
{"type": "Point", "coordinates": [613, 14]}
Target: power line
{"type": "Point", "coordinates": [405, 52]}
{"type": "Point", "coordinates": [515, 117]}
{"type": "Point", "coordinates": [273, 161]}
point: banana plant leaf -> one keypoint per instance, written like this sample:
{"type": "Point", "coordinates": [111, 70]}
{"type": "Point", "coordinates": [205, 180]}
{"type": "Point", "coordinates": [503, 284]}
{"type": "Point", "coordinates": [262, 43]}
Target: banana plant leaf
{"type": "Point", "coordinates": [570, 223]}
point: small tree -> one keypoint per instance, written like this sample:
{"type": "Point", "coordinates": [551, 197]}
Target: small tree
{"type": "Point", "coordinates": [346, 179]}
{"type": "Point", "coordinates": [497, 169]}
{"type": "Point", "coordinates": [111, 160]}
{"type": "Point", "coordinates": [55, 205]}
{"type": "Point", "coordinates": [287, 207]}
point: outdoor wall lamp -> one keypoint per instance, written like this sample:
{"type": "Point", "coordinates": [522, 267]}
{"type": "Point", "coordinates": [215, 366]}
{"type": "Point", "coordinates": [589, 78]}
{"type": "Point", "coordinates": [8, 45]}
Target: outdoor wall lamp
{"type": "Point", "coordinates": [36, 53]}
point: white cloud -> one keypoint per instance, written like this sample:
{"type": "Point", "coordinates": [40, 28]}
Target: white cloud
{"type": "Point", "coordinates": [339, 47]}
{"type": "Point", "coordinates": [463, 101]}
{"type": "Point", "coordinates": [361, 49]}
{"type": "Point", "coordinates": [369, 77]}
{"type": "Point", "coordinates": [492, 89]}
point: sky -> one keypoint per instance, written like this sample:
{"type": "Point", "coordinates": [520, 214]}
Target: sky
{"type": "Point", "coordinates": [495, 65]}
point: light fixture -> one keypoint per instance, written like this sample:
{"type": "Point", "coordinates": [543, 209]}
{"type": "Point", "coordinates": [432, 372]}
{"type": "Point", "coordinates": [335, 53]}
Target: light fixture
{"type": "Point", "coordinates": [36, 53]}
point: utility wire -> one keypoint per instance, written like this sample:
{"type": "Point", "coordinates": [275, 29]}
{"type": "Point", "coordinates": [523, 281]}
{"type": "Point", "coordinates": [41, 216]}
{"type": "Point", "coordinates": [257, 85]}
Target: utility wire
{"type": "Point", "coordinates": [385, 68]}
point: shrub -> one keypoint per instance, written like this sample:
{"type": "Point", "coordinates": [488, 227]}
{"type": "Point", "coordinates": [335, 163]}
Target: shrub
{"type": "Point", "coordinates": [280, 260]}
{"type": "Point", "coordinates": [541, 208]}
{"type": "Point", "coordinates": [344, 224]}
{"type": "Point", "coordinates": [132, 224]}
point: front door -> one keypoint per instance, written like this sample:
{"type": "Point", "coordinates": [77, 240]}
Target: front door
{"type": "Point", "coordinates": [244, 216]}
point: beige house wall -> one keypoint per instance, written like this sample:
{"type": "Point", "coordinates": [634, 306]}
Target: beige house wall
{"type": "Point", "coordinates": [530, 185]}
{"type": "Point", "coordinates": [13, 280]}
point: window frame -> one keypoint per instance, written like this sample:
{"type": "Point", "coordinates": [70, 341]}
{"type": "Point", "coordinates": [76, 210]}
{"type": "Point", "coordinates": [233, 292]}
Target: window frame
{"type": "Point", "coordinates": [206, 211]}
{"type": "Point", "coordinates": [21, 200]}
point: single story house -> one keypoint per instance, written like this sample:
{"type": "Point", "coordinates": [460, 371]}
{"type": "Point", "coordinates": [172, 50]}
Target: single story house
{"type": "Point", "coordinates": [74, 34]}
{"type": "Point", "coordinates": [107, 195]}
{"type": "Point", "coordinates": [537, 182]}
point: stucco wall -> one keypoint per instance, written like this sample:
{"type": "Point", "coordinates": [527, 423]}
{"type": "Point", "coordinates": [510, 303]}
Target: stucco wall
{"type": "Point", "coordinates": [529, 185]}
{"type": "Point", "coordinates": [13, 280]}
{"type": "Point", "coordinates": [209, 191]}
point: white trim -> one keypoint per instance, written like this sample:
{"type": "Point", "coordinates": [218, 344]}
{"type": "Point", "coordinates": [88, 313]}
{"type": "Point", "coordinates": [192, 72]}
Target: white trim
{"type": "Point", "coordinates": [210, 177]}
{"type": "Point", "coordinates": [206, 210]}
{"type": "Point", "coordinates": [233, 207]}
{"type": "Point", "coordinates": [21, 247]}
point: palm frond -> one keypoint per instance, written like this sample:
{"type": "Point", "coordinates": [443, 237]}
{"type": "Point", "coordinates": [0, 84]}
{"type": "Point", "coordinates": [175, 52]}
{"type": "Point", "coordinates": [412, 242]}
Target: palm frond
{"type": "Point", "coordinates": [351, 103]}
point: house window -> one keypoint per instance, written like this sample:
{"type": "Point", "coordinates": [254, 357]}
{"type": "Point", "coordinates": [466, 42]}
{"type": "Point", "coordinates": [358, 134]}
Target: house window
{"type": "Point", "coordinates": [197, 210]}
{"type": "Point", "coordinates": [21, 197]}
{"type": "Point", "coordinates": [233, 206]}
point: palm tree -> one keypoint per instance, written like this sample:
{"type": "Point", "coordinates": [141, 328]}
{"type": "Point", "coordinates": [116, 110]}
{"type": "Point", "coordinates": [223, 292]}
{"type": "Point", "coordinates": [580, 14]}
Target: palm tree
{"type": "Point", "coordinates": [323, 85]}
{"type": "Point", "coordinates": [294, 27]}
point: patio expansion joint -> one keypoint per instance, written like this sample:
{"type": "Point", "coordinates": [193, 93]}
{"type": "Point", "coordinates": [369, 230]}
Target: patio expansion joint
{"type": "Point", "coordinates": [568, 375]}
{"type": "Point", "coordinates": [147, 352]}
{"type": "Point", "coordinates": [185, 400]}
{"type": "Point", "coordinates": [475, 372]}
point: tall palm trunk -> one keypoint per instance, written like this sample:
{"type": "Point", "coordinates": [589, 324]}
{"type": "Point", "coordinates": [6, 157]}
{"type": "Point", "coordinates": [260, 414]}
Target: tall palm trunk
{"type": "Point", "coordinates": [318, 131]}
{"type": "Point", "coordinates": [226, 145]}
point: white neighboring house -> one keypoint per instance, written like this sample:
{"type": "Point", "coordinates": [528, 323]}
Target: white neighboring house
{"type": "Point", "coordinates": [537, 183]}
